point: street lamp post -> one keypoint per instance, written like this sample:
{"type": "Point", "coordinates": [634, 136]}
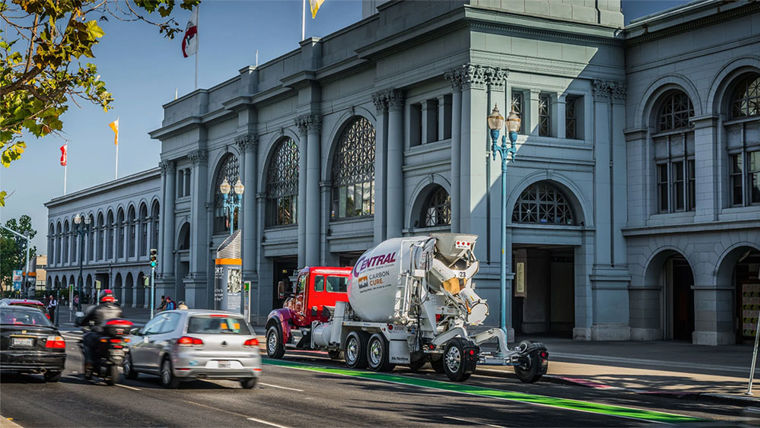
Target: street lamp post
{"type": "Point", "coordinates": [232, 201]}
{"type": "Point", "coordinates": [495, 124]}
{"type": "Point", "coordinates": [83, 228]}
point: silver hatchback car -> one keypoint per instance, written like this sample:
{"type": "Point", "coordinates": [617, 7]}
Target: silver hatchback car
{"type": "Point", "coordinates": [195, 344]}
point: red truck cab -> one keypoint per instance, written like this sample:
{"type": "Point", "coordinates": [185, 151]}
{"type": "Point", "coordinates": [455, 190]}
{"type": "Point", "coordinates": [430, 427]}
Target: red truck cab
{"type": "Point", "coordinates": [316, 287]}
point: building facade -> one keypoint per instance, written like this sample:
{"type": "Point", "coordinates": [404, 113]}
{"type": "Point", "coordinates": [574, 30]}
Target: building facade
{"type": "Point", "coordinates": [633, 200]}
{"type": "Point", "coordinates": [118, 224]}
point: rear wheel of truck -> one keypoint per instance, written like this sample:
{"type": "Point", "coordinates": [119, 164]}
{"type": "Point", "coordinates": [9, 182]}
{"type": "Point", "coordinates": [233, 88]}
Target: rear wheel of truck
{"type": "Point", "coordinates": [529, 370]}
{"type": "Point", "coordinates": [356, 350]}
{"type": "Point", "coordinates": [275, 349]}
{"type": "Point", "coordinates": [378, 358]}
{"type": "Point", "coordinates": [455, 363]}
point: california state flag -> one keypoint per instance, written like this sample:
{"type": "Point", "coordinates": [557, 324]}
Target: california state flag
{"type": "Point", "coordinates": [190, 41]}
{"type": "Point", "coordinates": [64, 154]}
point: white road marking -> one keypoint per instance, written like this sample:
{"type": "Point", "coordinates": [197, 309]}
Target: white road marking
{"type": "Point", "coordinates": [280, 387]}
{"type": "Point", "coordinates": [471, 422]}
{"type": "Point", "coordinates": [266, 423]}
{"type": "Point", "coordinates": [236, 414]}
{"type": "Point", "coordinates": [127, 386]}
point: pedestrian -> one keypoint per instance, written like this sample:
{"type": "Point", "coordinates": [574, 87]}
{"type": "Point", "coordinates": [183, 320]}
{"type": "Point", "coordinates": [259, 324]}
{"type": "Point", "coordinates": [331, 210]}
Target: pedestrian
{"type": "Point", "coordinates": [280, 293]}
{"type": "Point", "coordinates": [162, 306]}
{"type": "Point", "coordinates": [169, 305]}
{"type": "Point", "coordinates": [76, 303]}
{"type": "Point", "coordinates": [51, 307]}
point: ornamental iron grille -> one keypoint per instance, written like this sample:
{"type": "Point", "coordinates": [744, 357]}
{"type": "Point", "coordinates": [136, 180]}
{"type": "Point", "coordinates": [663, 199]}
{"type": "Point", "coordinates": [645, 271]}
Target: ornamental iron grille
{"type": "Point", "coordinates": [543, 203]}
{"type": "Point", "coordinates": [282, 184]}
{"type": "Point", "coordinates": [436, 211]}
{"type": "Point", "coordinates": [230, 169]}
{"type": "Point", "coordinates": [675, 111]}
{"type": "Point", "coordinates": [746, 100]}
{"type": "Point", "coordinates": [353, 175]}
{"type": "Point", "coordinates": [544, 115]}
{"type": "Point", "coordinates": [571, 119]}
{"type": "Point", "coordinates": [517, 107]}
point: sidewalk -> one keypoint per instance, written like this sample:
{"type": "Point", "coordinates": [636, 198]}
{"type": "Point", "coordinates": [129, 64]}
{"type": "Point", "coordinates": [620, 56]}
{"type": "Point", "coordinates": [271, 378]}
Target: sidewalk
{"type": "Point", "coordinates": [139, 316]}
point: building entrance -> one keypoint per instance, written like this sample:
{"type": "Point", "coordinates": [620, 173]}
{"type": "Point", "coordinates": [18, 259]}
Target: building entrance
{"type": "Point", "coordinates": [543, 291]}
{"type": "Point", "coordinates": [683, 299]}
{"type": "Point", "coordinates": [284, 269]}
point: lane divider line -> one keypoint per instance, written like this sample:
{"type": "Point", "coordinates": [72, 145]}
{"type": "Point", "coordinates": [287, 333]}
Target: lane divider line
{"type": "Point", "coordinates": [460, 388]}
{"type": "Point", "coordinates": [281, 387]}
{"type": "Point", "coordinates": [266, 423]}
{"type": "Point", "coordinates": [127, 386]}
{"type": "Point", "coordinates": [471, 422]}
{"type": "Point", "coordinates": [250, 418]}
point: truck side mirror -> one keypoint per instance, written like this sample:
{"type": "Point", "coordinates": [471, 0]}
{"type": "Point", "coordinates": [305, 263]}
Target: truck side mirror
{"type": "Point", "coordinates": [313, 311]}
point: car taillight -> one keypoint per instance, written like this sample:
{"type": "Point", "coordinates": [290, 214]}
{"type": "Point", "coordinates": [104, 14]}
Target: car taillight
{"type": "Point", "coordinates": [251, 342]}
{"type": "Point", "coordinates": [189, 341]}
{"type": "Point", "coordinates": [47, 315]}
{"type": "Point", "coordinates": [438, 317]}
{"type": "Point", "coordinates": [55, 342]}
{"type": "Point", "coordinates": [115, 340]}
{"type": "Point", "coordinates": [119, 322]}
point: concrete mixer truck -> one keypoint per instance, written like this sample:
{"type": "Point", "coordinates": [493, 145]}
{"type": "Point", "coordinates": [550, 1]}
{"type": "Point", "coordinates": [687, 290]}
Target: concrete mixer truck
{"type": "Point", "coordinates": [410, 300]}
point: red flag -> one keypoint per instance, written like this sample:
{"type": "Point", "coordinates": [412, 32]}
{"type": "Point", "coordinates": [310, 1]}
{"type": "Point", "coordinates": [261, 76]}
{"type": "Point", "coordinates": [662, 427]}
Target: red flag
{"type": "Point", "coordinates": [190, 41]}
{"type": "Point", "coordinates": [63, 154]}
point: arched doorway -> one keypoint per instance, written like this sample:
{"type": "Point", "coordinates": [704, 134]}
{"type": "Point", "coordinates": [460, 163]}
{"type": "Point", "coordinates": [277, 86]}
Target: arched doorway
{"type": "Point", "coordinates": [672, 272]}
{"type": "Point", "coordinates": [740, 271]}
{"type": "Point", "coordinates": [118, 289]}
{"type": "Point", "coordinates": [141, 291]}
{"type": "Point", "coordinates": [129, 288]}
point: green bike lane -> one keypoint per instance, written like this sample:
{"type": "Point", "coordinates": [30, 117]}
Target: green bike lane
{"type": "Point", "coordinates": [549, 403]}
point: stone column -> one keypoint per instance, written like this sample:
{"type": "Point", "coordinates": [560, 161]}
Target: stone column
{"type": "Point", "coordinates": [395, 174]}
{"type": "Point", "coordinates": [311, 126]}
{"type": "Point", "coordinates": [248, 145]}
{"type": "Point", "coordinates": [441, 117]}
{"type": "Point", "coordinates": [325, 189]}
{"type": "Point", "coordinates": [262, 293]}
{"type": "Point", "coordinates": [713, 314]}
{"type": "Point", "coordinates": [166, 246]}
{"type": "Point", "coordinates": [707, 157]}
{"type": "Point", "coordinates": [301, 202]}
{"type": "Point", "coordinates": [561, 106]}
{"type": "Point", "coordinates": [381, 161]}
{"type": "Point", "coordinates": [532, 107]}
{"type": "Point", "coordinates": [196, 286]}
{"type": "Point", "coordinates": [456, 141]}
{"type": "Point", "coordinates": [424, 122]}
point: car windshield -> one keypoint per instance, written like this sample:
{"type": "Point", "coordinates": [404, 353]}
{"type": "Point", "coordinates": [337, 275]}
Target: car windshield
{"type": "Point", "coordinates": [217, 324]}
{"type": "Point", "coordinates": [19, 316]}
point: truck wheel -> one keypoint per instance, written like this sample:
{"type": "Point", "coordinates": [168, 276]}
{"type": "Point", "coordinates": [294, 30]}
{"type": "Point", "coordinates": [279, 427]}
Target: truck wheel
{"type": "Point", "coordinates": [529, 370]}
{"type": "Point", "coordinates": [377, 354]}
{"type": "Point", "coordinates": [437, 364]}
{"type": "Point", "coordinates": [356, 345]}
{"type": "Point", "coordinates": [455, 362]}
{"type": "Point", "coordinates": [275, 349]}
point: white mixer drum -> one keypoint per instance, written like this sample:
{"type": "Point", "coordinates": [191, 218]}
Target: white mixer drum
{"type": "Point", "coordinates": [477, 309]}
{"type": "Point", "coordinates": [374, 286]}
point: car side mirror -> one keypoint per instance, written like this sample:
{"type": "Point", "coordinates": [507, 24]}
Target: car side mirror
{"type": "Point", "coordinates": [135, 332]}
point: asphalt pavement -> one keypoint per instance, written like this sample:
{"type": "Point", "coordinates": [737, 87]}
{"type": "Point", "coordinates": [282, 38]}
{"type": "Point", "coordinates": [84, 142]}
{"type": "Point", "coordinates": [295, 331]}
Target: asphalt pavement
{"type": "Point", "coordinates": [309, 389]}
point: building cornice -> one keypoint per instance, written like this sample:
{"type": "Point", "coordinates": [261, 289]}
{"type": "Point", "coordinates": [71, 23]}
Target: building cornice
{"type": "Point", "coordinates": [147, 175]}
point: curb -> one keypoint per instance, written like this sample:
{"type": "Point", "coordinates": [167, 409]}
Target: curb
{"type": "Point", "coordinates": [8, 422]}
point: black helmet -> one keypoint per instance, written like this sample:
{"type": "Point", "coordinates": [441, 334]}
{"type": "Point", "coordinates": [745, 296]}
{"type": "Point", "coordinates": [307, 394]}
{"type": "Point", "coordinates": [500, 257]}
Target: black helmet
{"type": "Point", "coordinates": [106, 296]}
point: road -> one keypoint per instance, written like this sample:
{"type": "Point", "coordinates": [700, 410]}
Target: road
{"type": "Point", "coordinates": [307, 389]}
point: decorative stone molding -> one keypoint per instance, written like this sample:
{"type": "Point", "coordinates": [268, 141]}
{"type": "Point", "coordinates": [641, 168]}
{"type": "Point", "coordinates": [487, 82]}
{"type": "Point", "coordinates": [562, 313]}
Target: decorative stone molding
{"type": "Point", "coordinates": [396, 99]}
{"type": "Point", "coordinates": [247, 142]}
{"type": "Point", "coordinates": [478, 76]}
{"type": "Point", "coordinates": [309, 122]}
{"type": "Point", "coordinates": [388, 99]}
{"type": "Point", "coordinates": [325, 184]}
{"type": "Point", "coordinates": [381, 101]}
{"type": "Point", "coordinates": [198, 157]}
{"type": "Point", "coordinates": [608, 89]}
{"type": "Point", "coordinates": [167, 167]}
{"type": "Point", "coordinates": [261, 196]}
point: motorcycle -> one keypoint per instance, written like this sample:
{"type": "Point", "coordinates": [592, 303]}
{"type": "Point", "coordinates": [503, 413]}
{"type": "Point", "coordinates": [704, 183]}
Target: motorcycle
{"type": "Point", "coordinates": [108, 351]}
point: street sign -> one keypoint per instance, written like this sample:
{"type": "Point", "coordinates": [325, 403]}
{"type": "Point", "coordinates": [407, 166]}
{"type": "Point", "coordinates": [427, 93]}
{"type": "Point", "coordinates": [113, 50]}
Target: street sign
{"type": "Point", "coordinates": [18, 278]}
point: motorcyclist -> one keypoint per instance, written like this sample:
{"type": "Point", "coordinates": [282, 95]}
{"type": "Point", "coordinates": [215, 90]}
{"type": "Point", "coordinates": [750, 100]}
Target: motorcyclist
{"type": "Point", "coordinates": [106, 309]}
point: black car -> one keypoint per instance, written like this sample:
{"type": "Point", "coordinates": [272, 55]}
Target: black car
{"type": "Point", "coordinates": [29, 343]}
{"type": "Point", "coordinates": [29, 303]}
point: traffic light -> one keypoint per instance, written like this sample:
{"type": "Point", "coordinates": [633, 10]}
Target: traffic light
{"type": "Point", "coordinates": [153, 257]}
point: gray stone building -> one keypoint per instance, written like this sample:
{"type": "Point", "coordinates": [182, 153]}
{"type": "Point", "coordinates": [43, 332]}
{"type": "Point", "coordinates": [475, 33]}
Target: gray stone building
{"type": "Point", "coordinates": [119, 223]}
{"type": "Point", "coordinates": [633, 200]}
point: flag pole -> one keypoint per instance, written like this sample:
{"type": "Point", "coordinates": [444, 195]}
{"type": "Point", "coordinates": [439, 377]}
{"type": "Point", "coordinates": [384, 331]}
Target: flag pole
{"type": "Point", "coordinates": [303, 20]}
{"type": "Point", "coordinates": [65, 174]}
{"type": "Point", "coordinates": [116, 171]}
{"type": "Point", "coordinates": [198, 48]}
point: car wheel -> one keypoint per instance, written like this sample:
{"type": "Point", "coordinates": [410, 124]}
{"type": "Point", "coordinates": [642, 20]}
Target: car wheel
{"type": "Point", "coordinates": [52, 376]}
{"type": "Point", "coordinates": [248, 383]}
{"type": "Point", "coordinates": [113, 374]}
{"type": "Point", "coordinates": [275, 348]}
{"type": "Point", "coordinates": [529, 369]}
{"type": "Point", "coordinates": [377, 354]}
{"type": "Point", "coordinates": [455, 363]}
{"type": "Point", "coordinates": [167, 378]}
{"type": "Point", "coordinates": [129, 369]}
{"type": "Point", "coordinates": [355, 353]}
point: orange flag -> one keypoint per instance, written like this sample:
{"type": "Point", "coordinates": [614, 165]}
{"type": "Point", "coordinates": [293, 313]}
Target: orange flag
{"type": "Point", "coordinates": [115, 126]}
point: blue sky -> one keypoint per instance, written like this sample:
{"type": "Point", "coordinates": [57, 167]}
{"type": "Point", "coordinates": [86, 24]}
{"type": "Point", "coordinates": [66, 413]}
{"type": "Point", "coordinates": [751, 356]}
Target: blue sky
{"type": "Point", "coordinates": [143, 71]}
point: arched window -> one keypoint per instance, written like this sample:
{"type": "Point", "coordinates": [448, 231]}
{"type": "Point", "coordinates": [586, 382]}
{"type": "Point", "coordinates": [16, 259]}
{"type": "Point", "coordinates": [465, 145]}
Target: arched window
{"type": "Point", "coordinates": [143, 244]}
{"type": "Point", "coordinates": [229, 169]}
{"type": "Point", "coordinates": [746, 98]}
{"type": "Point", "coordinates": [58, 238]}
{"type": "Point", "coordinates": [282, 184]}
{"type": "Point", "coordinates": [675, 111]}
{"type": "Point", "coordinates": [154, 216]}
{"type": "Point", "coordinates": [436, 209]}
{"type": "Point", "coordinates": [353, 176]}
{"type": "Point", "coordinates": [120, 234]}
{"type": "Point", "coordinates": [674, 154]}
{"type": "Point", "coordinates": [742, 144]}
{"type": "Point", "coordinates": [100, 235]}
{"type": "Point", "coordinates": [543, 203]}
{"type": "Point", "coordinates": [91, 239]}
{"type": "Point", "coordinates": [110, 228]}
{"type": "Point", "coordinates": [66, 248]}
{"type": "Point", "coordinates": [183, 242]}
{"type": "Point", "coordinates": [132, 224]}
{"type": "Point", "coordinates": [51, 243]}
